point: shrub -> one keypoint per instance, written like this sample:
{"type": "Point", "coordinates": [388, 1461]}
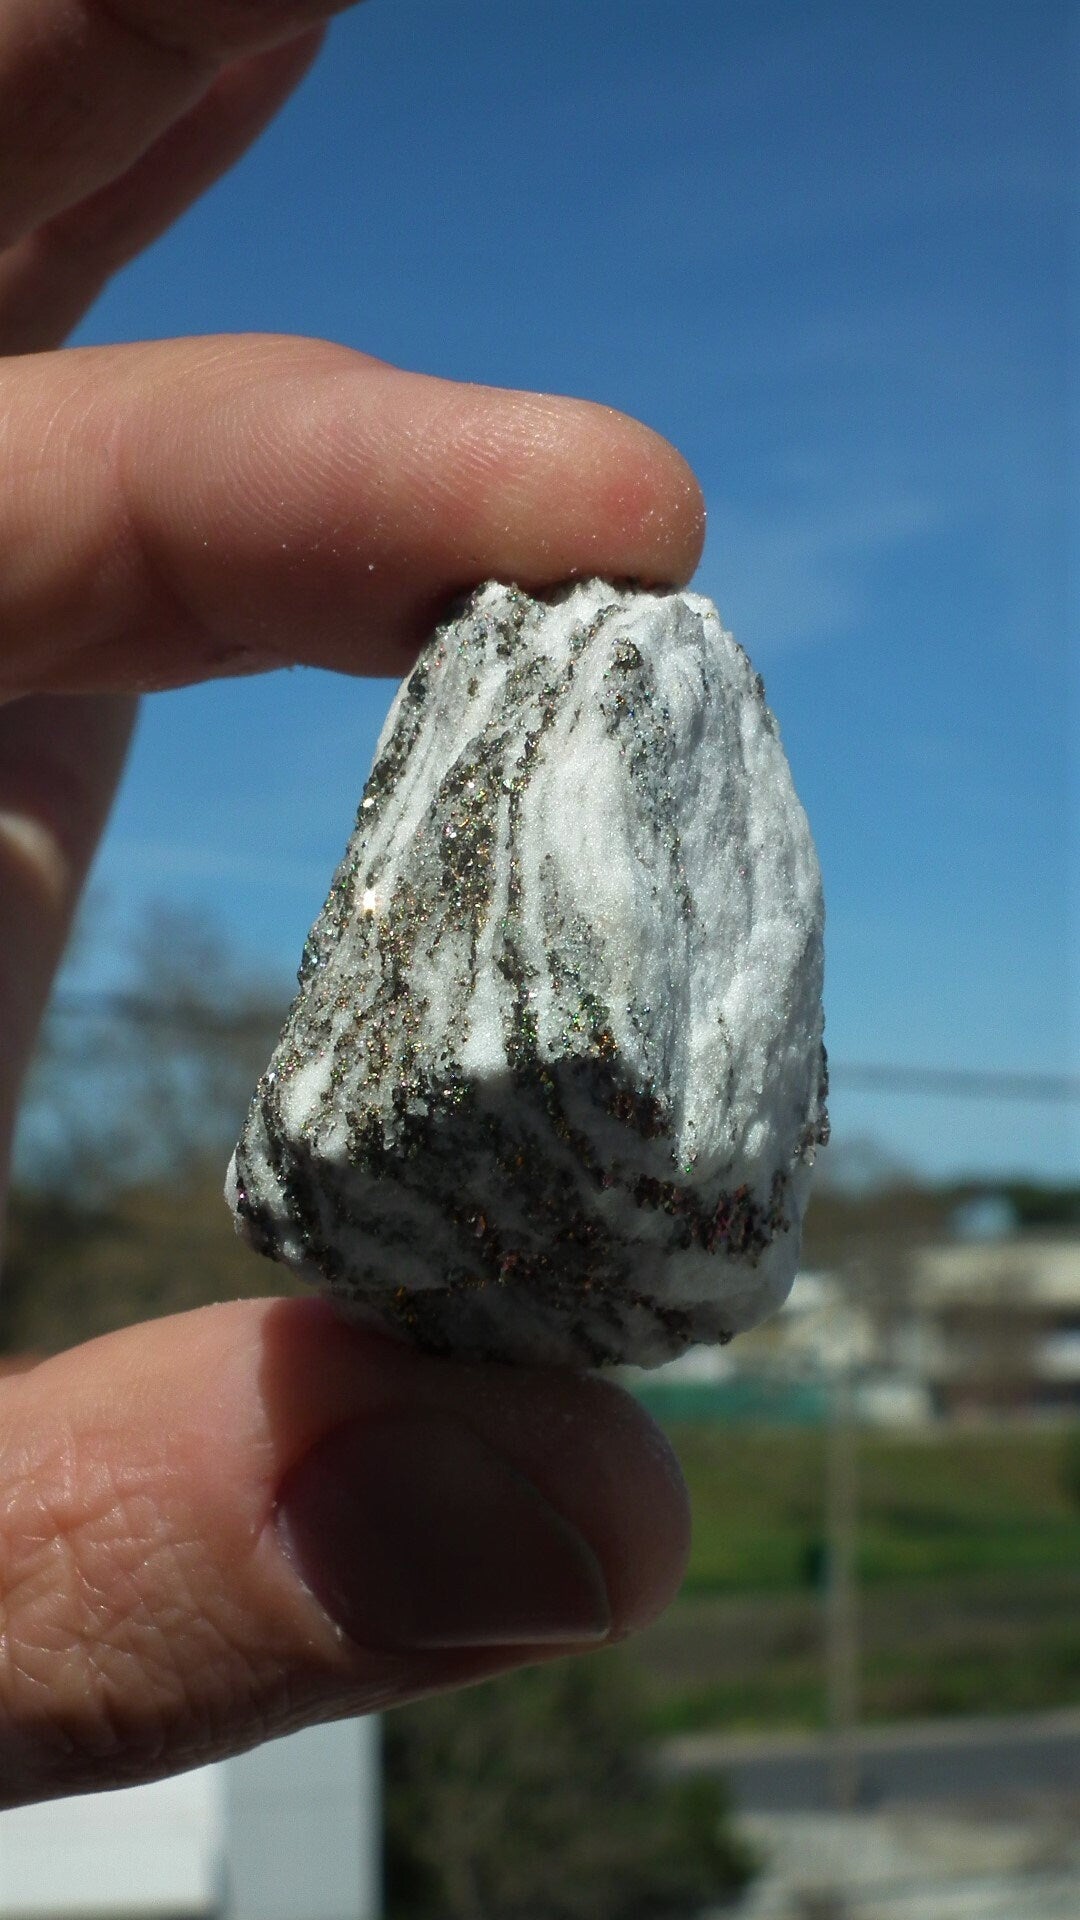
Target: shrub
{"type": "Point", "coordinates": [532, 1798]}
{"type": "Point", "coordinates": [1070, 1465]}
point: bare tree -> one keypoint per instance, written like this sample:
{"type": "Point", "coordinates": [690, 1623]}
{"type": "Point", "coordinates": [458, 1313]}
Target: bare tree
{"type": "Point", "coordinates": [135, 1100]}
{"type": "Point", "coordinates": [149, 1079]}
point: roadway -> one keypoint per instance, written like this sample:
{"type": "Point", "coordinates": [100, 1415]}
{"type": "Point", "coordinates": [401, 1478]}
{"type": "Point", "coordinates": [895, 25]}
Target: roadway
{"type": "Point", "coordinates": [926, 1762]}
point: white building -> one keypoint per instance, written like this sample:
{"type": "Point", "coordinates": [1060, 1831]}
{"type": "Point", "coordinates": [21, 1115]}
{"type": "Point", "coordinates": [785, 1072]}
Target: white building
{"type": "Point", "coordinates": [996, 1324]}
{"type": "Point", "coordinates": [976, 1326]}
{"type": "Point", "coordinates": [288, 1832]}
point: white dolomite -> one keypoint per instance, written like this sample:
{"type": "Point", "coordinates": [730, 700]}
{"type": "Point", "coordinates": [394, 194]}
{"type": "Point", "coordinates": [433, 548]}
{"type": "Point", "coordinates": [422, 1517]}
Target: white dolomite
{"type": "Point", "coordinates": [553, 1082]}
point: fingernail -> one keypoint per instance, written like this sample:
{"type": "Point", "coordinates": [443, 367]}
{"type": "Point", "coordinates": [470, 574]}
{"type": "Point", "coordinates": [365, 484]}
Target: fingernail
{"type": "Point", "coordinates": [414, 1534]}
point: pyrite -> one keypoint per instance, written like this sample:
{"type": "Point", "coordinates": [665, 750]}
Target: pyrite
{"type": "Point", "coordinates": [553, 1082]}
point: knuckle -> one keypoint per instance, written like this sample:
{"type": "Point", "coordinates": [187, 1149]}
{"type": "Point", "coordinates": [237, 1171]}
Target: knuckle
{"type": "Point", "coordinates": [112, 1667]}
{"type": "Point", "coordinates": [219, 29]}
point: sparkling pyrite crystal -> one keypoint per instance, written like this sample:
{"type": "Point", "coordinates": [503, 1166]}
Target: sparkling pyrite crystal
{"type": "Point", "coordinates": [553, 1081]}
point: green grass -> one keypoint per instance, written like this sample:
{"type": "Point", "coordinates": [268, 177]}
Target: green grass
{"type": "Point", "coordinates": [999, 1645]}
{"type": "Point", "coordinates": [930, 1508]}
{"type": "Point", "coordinates": [969, 1579]}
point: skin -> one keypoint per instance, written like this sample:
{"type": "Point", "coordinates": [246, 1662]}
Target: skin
{"type": "Point", "coordinates": [173, 512]}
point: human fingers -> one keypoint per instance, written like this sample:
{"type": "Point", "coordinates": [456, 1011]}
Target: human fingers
{"type": "Point", "coordinates": [59, 762]}
{"type": "Point", "coordinates": [87, 86]}
{"type": "Point", "coordinates": [220, 1527]}
{"type": "Point", "coordinates": [50, 276]}
{"type": "Point", "coordinates": [185, 509]}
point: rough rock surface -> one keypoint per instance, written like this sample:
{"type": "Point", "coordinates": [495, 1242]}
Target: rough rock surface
{"type": "Point", "coordinates": [553, 1081]}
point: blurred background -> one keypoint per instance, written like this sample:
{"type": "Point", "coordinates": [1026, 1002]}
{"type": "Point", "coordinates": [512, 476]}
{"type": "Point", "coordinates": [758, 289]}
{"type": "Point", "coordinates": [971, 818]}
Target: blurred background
{"type": "Point", "coordinates": [829, 251]}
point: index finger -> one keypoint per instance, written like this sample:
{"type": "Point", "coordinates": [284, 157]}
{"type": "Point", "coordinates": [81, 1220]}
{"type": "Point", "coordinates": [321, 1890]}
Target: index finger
{"type": "Point", "coordinates": [187, 509]}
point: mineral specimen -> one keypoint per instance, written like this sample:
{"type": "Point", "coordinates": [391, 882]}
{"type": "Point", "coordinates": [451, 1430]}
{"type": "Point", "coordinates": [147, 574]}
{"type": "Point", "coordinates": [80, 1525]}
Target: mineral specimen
{"type": "Point", "coordinates": [553, 1081]}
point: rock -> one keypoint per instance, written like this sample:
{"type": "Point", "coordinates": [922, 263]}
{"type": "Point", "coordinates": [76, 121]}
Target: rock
{"type": "Point", "coordinates": [553, 1082]}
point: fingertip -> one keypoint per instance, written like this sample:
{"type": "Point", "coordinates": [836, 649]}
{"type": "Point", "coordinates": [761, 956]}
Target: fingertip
{"type": "Point", "coordinates": [591, 1450]}
{"type": "Point", "coordinates": [566, 488]}
{"type": "Point", "coordinates": [648, 1531]}
{"type": "Point", "coordinates": [656, 501]}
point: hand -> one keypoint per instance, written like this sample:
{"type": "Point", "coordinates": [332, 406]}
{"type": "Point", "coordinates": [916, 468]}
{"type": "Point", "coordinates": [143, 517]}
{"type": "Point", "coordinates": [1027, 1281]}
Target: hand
{"type": "Point", "coordinates": [225, 1525]}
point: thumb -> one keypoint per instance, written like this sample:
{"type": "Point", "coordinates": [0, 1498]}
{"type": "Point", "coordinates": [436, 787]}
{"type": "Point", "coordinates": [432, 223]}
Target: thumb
{"type": "Point", "coordinates": [222, 1526]}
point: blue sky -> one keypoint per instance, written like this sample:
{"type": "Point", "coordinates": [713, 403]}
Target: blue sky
{"type": "Point", "coordinates": [824, 248]}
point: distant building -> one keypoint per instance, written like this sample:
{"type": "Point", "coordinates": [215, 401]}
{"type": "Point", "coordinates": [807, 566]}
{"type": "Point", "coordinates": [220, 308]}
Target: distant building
{"type": "Point", "coordinates": [995, 1325]}
{"type": "Point", "coordinates": [825, 1329]}
{"type": "Point", "coordinates": [977, 1325]}
{"type": "Point", "coordinates": [820, 1328]}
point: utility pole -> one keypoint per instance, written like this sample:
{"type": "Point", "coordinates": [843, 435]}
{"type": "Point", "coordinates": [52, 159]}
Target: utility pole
{"type": "Point", "coordinates": [841, 1599]}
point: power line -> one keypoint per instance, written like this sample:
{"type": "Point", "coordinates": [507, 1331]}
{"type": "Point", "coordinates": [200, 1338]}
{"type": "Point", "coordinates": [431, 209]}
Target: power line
{"type": "Point", "coordinates": [965, 1083]}
{"type": "Point", "coordinates": [188, 1015]}
{"type": "Point", "coordinates": [951, 1083]}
